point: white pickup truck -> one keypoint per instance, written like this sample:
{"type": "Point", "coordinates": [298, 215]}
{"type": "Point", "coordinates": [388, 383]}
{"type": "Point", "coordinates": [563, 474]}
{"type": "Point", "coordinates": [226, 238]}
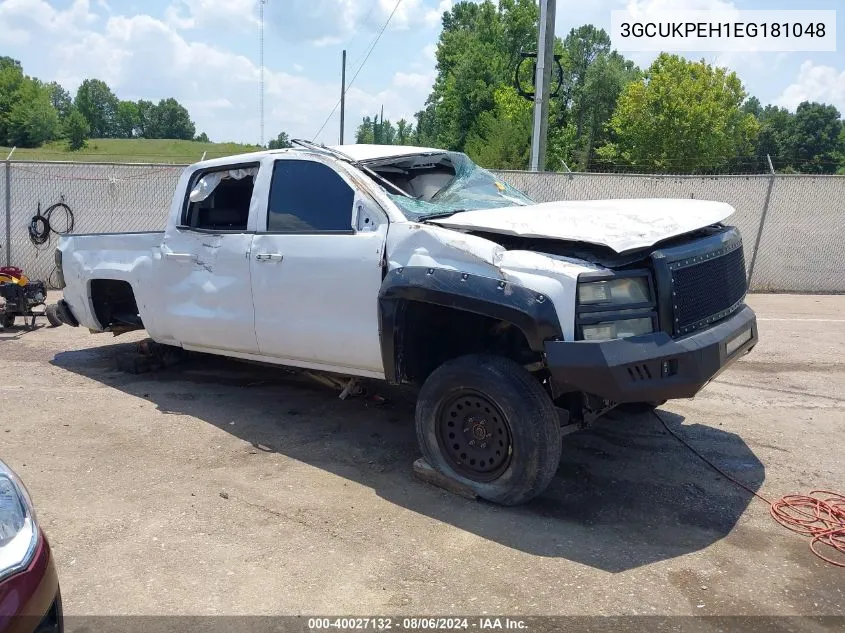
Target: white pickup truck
{"type": "Point", "coordinates": [414, 265]}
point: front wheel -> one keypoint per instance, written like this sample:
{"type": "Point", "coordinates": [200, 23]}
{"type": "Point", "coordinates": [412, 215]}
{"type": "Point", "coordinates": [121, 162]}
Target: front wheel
{"type": "Point", "coordinates": [485, 422]}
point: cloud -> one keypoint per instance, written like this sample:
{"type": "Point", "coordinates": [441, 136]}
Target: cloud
{"type": "Point", "coordinates": [815, 82]}
{"type": "Point", "coordinates": [188, 14]}
{"type": "Point", "coordinates": [330, 22]}
{"type": "Point", "coordinates": [142, 57]}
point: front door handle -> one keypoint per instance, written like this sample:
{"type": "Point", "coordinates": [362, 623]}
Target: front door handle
{"type": "Point", "coordinates": [181, 257]}
{"type": "Point", "coordinates": [269, 257]}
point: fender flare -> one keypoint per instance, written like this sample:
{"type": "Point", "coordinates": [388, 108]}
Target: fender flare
{"type": "Point", "coordinates": [530, 311]}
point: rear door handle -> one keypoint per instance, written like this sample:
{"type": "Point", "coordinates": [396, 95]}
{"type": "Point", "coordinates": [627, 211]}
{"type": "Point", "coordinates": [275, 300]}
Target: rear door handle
{"type": "Point", "coordinates": [269, 257]}
{"type": "Point", "coordinates": [181, 257]}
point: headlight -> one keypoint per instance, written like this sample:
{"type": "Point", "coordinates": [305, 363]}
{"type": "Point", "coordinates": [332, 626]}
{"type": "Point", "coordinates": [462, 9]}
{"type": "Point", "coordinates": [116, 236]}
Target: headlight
{"type": "Point", "coordinates": [18, 530]}
{"type": "Point", "coordinates": [617, 329]}
{"type": "Point", "coordinates": [625, 290]}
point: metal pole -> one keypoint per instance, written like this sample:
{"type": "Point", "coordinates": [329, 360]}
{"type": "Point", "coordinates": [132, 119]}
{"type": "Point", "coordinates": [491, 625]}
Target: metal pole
{"type": "Point", "coordinates": [261, 70]}
{"type": "Point", "coordinates": [8, 212]}
{"type": "Point", "coordinates": [342, 95]}
{"type": "Point", "coordinates": [545, 60]}
{"type": "Point", "coordinates": [762, 221]}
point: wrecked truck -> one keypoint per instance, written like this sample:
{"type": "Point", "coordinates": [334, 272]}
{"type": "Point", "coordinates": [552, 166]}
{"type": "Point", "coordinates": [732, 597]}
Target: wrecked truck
{"type": "Point", "coordinates": [519, 322]}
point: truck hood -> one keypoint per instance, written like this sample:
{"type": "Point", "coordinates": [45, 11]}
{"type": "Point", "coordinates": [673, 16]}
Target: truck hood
{"type": "Point", "coordinates": [622, 225]}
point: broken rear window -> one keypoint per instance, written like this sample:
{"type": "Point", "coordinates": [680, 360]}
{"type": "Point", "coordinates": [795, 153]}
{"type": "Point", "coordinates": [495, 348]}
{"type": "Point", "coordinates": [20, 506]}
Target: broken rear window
{"type": "Point", "coordinates": [443, 184]}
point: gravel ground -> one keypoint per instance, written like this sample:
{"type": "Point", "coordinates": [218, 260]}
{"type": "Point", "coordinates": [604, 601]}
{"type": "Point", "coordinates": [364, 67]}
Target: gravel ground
{"type": "Point", "coordinates": [218, 487]}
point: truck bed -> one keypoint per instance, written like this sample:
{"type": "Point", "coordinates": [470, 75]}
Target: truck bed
{"type": "Point", "coordinates": [117, 256]}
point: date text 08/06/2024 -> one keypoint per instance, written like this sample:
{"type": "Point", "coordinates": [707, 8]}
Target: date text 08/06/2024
{"type": "Point", "coordinates": [376, 623]}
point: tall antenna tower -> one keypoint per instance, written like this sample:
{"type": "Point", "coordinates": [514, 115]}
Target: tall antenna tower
{"type": "Point", "coordinates": [261, 4]}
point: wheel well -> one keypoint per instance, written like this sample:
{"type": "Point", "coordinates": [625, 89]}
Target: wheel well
{"type": "Point", "coordinates": [432, 334]}
{"type": "Point", "coordinates": [114, 303]}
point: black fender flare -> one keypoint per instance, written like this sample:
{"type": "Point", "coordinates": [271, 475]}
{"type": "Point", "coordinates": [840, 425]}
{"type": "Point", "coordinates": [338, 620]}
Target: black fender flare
{"type": "Point", "coordinates": [530, 311]}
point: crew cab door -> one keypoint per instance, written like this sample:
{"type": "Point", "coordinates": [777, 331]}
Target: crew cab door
{"type": "Point", "coordinates": [316, 268]}
{"type": "Point", "coordinates": [203, 275]}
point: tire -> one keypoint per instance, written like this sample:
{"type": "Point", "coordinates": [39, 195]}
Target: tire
{"type": "Point", "coordinates": [640, 407]}
{"type": "Point", "coordinates": [7, 320]}
{"type": "Point", "coordinates": [51, 312]}
{"type": "Point", "coordinates": [514, 412]}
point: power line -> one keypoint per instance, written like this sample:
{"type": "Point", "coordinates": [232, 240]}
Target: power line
{"type": "Point", "coordinates": [363, 63]}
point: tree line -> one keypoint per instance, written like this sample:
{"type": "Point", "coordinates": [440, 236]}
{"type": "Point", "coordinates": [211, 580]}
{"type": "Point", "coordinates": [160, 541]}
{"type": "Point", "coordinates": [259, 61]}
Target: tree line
{"type": "Point", "coordinates": [676, 115]}
{"type": "Point", "coordinates": [33, 112]}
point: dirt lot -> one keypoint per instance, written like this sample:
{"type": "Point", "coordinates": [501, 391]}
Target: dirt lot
{"type": "Point", "coordinates": [217, 487]}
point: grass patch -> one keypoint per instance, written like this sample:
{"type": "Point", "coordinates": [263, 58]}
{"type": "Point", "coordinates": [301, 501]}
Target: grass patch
{"type": "Point", "coordinates": [139, 150]}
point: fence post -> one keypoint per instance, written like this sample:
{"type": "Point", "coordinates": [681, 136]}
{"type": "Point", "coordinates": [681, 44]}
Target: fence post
{"type": "Point", "coordinates": [8, 177]}
{"type": "Point", "coordinates": [762, 221]}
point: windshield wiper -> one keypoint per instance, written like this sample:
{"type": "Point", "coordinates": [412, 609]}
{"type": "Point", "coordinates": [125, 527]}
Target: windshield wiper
{"type": "Point", "coordinates": [346, 158]}
{"type": "Point", "coordinates": [440, 215]}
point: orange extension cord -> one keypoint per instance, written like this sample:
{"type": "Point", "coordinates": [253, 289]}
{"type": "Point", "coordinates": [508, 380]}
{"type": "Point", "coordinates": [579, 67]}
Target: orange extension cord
{"type": "Point", "coordinates": [820, 515]}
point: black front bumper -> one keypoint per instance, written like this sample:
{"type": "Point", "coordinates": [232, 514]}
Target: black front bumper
{"type": "Point", "coordinates": [649, 368]}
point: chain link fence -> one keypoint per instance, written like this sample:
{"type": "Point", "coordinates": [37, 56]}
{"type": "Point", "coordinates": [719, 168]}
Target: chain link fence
{"type": "Point", "coordinates": [793, 225]}
{"type": "Point", "coordinates": [104, 198]}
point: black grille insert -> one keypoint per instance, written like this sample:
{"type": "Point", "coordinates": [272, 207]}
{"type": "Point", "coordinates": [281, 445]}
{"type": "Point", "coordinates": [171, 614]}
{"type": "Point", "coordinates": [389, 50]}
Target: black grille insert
{"type": "Point", "coordinates": [707, 290]}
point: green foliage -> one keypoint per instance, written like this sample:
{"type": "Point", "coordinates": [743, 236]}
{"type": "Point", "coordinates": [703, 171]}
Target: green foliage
{"type": "Point", "coordinates": [11, 80]}
{"type": "Point", "coordinates": [501, 138]}
{"type": "Point", "coordinates": [594, 77]}
{"type": "Point", "coordinates": [478, 50]}
{"type": "Point", "coordinates": [280, 142]}
{"type": "Point", "coordinates": [61, 100]}
{"type": "Point", "coordinates": [681, 113]}
{"type": "Point", "coordinates": [77, 130]}
{"type": "Point", "coordinates": [127, 120]}
{"type": "Point", "coordinates": [203, 138]}
{"type": "Point", "coordinates": [384, 132]}
{"type": "Point", "coordinates": [98, 105]}
{"type": "Point", "coordinates": [32, 119]}
{"type": "Point", "coordinates": [169, 119]}
{"type": "Point", "coordinates": [814, 140]}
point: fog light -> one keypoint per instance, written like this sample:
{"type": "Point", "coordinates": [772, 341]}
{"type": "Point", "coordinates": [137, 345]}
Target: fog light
{"type": "Point", "coordinates": [737, 341]}
{"type": "Point", "coordinates": [617, 329]}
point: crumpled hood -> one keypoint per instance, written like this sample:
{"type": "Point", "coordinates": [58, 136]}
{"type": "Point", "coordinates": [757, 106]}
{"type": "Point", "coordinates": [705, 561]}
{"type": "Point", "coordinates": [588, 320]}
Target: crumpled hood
{"type": "Point", "coordinates": [622, 225]}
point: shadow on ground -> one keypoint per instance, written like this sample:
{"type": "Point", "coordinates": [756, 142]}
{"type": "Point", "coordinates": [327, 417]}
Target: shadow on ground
{"type": "Point", "coordinates": [627, 493]}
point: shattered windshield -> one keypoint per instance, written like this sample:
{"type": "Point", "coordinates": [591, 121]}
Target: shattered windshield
{"type": "Point", "coordinates": [443, 184]}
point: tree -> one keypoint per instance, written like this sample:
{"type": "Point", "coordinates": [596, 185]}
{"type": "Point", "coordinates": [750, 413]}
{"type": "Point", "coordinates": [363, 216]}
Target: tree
{"type": "Point", "coordinates": [61, 100]}
{"type": "Point", "coordinates": [477, 52]}
{"type": "Point", "coordinates": [127, 120]}
{"type": "Point", "coordinates": [11, 79]}
{"type": "Point", "coordinates": [280, 142]}
{"type": "Point", "coordinates": [501, 138]}
{"type": "Point", "coordinates": [775, 125]}
{"type": "Point", "coordinates": [682, 114]}
{"type": "Point", "coordinates": [364, 133]}
{"type": "Point", "coordinates": [404, 132]}
{"type": "Point", "coordinates": [813, 142]}
{"type": "Point", "coordinates": [98, 105]}
{"type": "Point", "coordinates": [77, 130]}
{"type": "Point", "coordinates": [145, 112]}
{"type": "Point", "coordinates": [203, 138]}
{"type": "Point", "coordinates": [32, 119]}
{"type": "Point", "coordinates": [169, 119]}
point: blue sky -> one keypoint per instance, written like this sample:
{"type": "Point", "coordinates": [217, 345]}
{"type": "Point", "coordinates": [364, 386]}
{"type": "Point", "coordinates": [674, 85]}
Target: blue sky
{"type": "Point", "coordinates": [205, 53]}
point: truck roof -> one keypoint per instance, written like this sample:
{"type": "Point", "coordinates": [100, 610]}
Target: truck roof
{"type": "Point", "coordinates": [361, 152]}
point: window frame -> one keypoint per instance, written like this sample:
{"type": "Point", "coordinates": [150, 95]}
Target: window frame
{"type": "Point", "coordinates": [312, 159]}
{"type": "Point", "coordinates": [192, 182]}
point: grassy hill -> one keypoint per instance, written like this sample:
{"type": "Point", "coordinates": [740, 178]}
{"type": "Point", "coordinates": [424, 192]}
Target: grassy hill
{"type": "Point", "coordinates": [115, 150]}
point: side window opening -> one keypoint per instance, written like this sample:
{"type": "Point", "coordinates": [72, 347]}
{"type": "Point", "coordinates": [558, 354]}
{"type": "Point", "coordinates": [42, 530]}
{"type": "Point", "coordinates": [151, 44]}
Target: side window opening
{"type": "Point", "coordinates": [308, 196]}
{"type": "Point", "coordinates": [220, 200]}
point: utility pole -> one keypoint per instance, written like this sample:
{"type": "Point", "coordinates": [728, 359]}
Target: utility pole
{"type": "Point", "coordinates": [342, 95]}
{"type": "Point", "coordinates": [542, 82]}
{"type": "Point", "coordinates": [261, 70]}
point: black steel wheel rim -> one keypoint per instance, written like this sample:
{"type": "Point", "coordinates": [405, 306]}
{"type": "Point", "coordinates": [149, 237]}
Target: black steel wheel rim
{"type": "Point", "coordinates": [474, 435]}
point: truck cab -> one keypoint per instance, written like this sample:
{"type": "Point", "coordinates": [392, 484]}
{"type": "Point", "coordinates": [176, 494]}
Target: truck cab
{"type": "Point", "coordinates": [518, 321]}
